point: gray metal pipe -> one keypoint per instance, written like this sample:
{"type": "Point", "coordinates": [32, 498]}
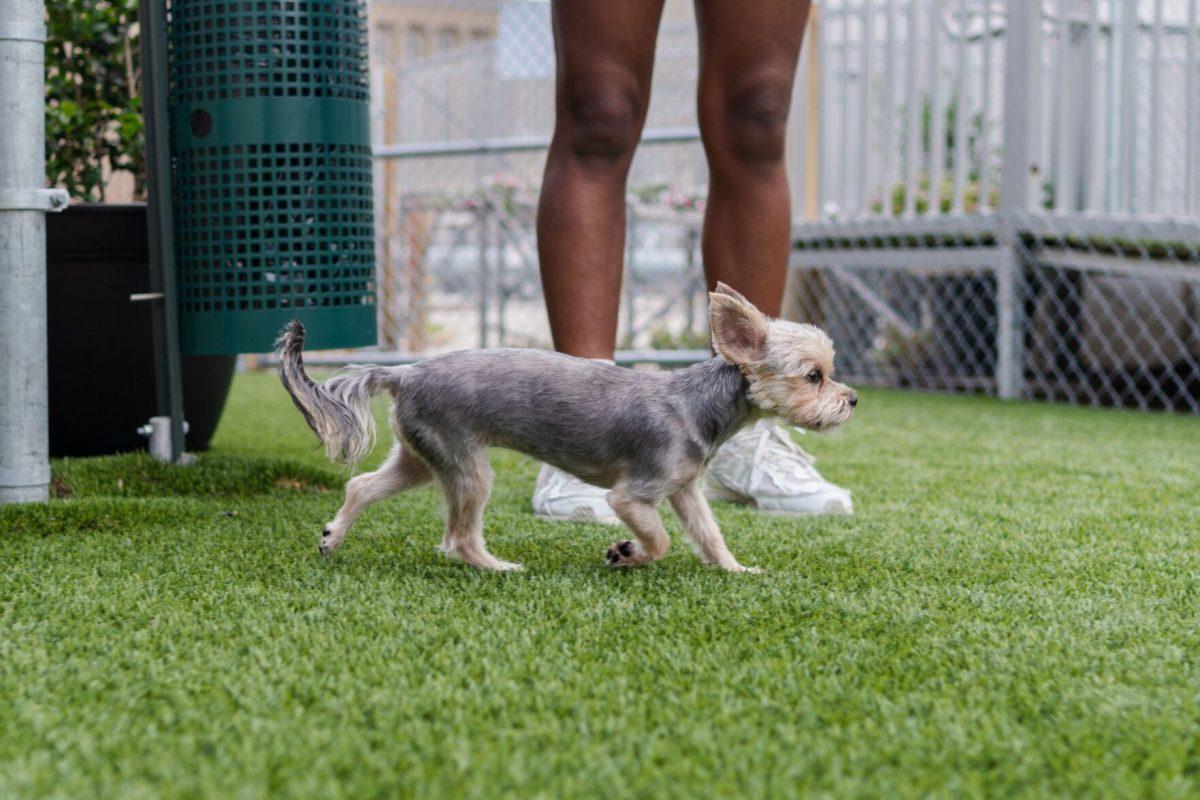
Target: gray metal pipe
{"type": "Point", "coordinates": [1018, 182]}
{"type": "Point", "coordinates": [24, 424]}
{"type": "Point", "coordinates": [515, 144]}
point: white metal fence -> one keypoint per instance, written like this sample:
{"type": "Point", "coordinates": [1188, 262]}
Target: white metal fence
{"type": "Point", "coordinates": [1008, 198]}
{"type": "Point", "coordinates": [996, 196]}
{"type": "Point", "coordinates": [1111, 105]}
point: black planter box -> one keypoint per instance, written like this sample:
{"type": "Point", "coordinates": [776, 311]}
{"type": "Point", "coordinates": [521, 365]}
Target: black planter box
{"type": "Point", "coordinates": [101, 350]}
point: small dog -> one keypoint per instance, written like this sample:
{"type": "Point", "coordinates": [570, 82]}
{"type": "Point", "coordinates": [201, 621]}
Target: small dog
{"type": "Point", "coordinates": [645, 435]}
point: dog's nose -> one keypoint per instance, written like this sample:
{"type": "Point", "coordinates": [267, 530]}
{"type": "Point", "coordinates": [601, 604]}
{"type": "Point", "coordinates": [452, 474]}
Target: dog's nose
{"type": "Point", "coordinates": [853, 400]}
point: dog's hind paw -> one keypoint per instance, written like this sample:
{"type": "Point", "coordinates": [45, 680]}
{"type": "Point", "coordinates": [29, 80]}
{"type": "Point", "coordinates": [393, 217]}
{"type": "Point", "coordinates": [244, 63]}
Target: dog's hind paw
{"type": "Point", "coordinates": [622, 554]}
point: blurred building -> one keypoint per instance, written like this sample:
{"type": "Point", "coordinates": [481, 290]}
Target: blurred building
{"type": "Point", "coordinates": [409, 30]}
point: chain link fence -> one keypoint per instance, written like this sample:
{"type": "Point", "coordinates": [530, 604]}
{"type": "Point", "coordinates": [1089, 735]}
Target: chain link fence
{"type": "Point", "coordinates": [1105, 311]}
{"type": "Point", "coordinates": [986, 202]}
{"type": "Point", "coordinates": [1112, 310]}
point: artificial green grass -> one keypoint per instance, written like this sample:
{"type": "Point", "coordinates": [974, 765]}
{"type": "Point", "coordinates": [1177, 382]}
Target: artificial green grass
{"type": "Point", "coordinates": [1012, 611]}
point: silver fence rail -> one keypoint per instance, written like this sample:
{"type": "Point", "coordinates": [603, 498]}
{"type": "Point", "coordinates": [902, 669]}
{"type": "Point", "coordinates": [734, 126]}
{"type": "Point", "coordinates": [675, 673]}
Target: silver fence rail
{"type": "Point", "coordinates": [996, 196]}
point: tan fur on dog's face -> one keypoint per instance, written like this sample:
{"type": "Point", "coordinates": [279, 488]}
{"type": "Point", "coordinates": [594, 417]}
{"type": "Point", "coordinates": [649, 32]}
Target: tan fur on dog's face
{"type": "Point", "coordinates": [789, 366]}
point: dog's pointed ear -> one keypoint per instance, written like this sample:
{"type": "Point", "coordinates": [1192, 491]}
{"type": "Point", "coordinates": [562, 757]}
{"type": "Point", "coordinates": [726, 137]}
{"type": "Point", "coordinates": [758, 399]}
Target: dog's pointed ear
{"type": "Point", "coordinates": [725, 288]}
{"type": "Point", "coordinates": [739, 329]}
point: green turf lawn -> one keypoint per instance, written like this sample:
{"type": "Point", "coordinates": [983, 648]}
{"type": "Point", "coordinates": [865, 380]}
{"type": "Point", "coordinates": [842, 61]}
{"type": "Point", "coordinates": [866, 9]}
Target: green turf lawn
{"type": "Point", "coordinates": [1011, 612]}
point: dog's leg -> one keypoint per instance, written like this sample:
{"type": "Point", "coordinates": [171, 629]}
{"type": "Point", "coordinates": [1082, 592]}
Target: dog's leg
{"type": "Point", "coordinates": [402, 470]}
{"type": "Point", "coordinates": [467, 488]}
{"type": "Point", "coordinates": [700, 526]}
{"type": "Point", "coordinates": [641, 516]}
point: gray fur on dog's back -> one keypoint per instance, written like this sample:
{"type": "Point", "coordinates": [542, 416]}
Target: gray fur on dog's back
{"type": "Point", "coordinates": [592, 419]}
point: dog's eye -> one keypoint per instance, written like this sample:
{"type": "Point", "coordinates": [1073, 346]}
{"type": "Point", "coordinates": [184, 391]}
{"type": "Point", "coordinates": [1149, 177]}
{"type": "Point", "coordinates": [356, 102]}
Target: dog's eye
{"type": "Point", "coordinates": [814, 376]}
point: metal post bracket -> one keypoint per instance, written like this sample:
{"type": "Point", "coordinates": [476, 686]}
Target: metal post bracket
{"type": "Point", "coordinates": [33, 199]}
{"type": "Point", "coordinates": [22, 32]}
{"type": "Point", "coordinates": [19, 478]}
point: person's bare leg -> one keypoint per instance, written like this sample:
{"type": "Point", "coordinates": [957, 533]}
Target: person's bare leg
{"type": "Point", "coordinates": [748, 56]}
{"type": "Point", "coordinates": [605, 55]}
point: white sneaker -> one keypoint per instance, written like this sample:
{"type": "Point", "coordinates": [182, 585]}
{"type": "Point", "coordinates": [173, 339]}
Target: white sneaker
{"type": "Point", "coordinates": [762, 466]}
{"type": "Point", "coordinates": [560, 495]}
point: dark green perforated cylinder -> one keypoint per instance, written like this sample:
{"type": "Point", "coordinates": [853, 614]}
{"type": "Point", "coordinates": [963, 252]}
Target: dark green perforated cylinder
{"type": "Point", "coordinates": [271, 172]}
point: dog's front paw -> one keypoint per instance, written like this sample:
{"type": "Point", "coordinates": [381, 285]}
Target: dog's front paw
{"type": "Point", "coordinates": [622, 554]}
{"type": "Point", "coordinates": [329, 542]}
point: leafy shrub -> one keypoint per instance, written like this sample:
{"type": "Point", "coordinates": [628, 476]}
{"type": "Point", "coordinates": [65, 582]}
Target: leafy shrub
{"type": "Point", "coordinates": [93, 99]}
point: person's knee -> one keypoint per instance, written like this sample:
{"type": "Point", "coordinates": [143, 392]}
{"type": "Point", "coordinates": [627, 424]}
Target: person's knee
{"type": "Point", "coordinates": [602, 118]}
{"type": "Point", "coordinates": [753, 122]}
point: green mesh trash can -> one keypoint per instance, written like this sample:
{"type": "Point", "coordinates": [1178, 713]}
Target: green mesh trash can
{"type": "Point", "coordinates": [271, 172]}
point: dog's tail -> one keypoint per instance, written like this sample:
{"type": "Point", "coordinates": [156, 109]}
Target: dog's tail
{"type": "Point", "coordinates": [339, 410]}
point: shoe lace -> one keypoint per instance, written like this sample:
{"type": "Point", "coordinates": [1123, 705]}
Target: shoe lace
{"type": "Point", "coordinates": [779, 435]}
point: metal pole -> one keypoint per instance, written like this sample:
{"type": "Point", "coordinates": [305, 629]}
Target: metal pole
{"type": "Point", "coordinates": [985, 93]}
{"type": "Point", "coordinates": [1156, 60]}
{"type": "Point", "coordinates": [628, 285]}
{"type": "Point", "coordinates": [1191, 122]}
{"type": "Point", "coordinates": [864, 110]}
{"type": "Point", "coordinates": [913, 126]}
{"type": "Point", "coordinates": [843, 141]}
{"type": "Point", "coordinates": [1016, 184]}
{"type": "Point", "coordinates": [512, 144]}
{"type": "Point", "coordinates": [1066, 111]}
{"type": "Point", "coordinates": [1092, 158]}
{"type": "Point", "coordinates": [961, 82]}
{"type": "Point", "coordinates": [484, 298]}
{"type": "Point", "coordinates": [24, 404]}
{"type": "Point", "coordinates": [1127, 48]}
{"type": "Point", "coordinates": [168, 370]}
{"type": "Point", "coordinates": [815, 119]}
{"type": "Point", "coordinates": [937, 118]}
{"type": "Point", "coordinates": [888, 133]}
{"type": "Point", "coordinates": [797, 124]}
